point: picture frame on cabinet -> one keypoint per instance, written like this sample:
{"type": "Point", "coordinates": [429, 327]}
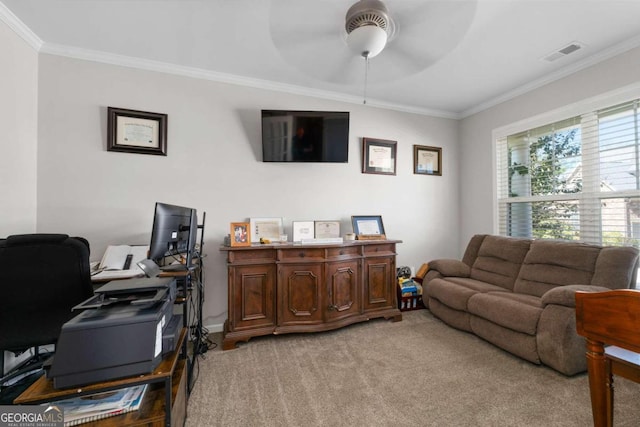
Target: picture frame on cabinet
{"type": "Point", "coordinates": [368, 227]}
{"type": "Point", "coordinates": [240, 233]}
{"type": "Point", "coordinates": [265, 228]}
{"type": "Point", "coordinates": [327, 229]}
{"type": "Point", "coordinates": [427, 160]}
{"type": "Point", "coordinates": [303, 230]}
{"type": "Point", "coordinates": [379, 156]}
{"type": "Point", "coordinates": [132, 131]}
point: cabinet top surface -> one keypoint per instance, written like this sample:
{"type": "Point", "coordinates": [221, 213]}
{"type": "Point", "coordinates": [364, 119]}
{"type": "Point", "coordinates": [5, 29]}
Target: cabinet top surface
{"type": "Point", "coordinates": [291, 245]}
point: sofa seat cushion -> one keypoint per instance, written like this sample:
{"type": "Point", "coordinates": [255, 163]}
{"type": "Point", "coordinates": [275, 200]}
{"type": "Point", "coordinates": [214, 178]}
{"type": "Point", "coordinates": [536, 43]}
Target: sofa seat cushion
{"type": "Point", "coordinates": [517, 312]}
{"type": "Point", "coordinates": [456, 291]}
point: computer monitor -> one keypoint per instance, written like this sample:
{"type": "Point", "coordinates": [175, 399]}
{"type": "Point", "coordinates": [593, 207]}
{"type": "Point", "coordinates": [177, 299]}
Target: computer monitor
{"type": "Point", "coordinates": [174, 233]}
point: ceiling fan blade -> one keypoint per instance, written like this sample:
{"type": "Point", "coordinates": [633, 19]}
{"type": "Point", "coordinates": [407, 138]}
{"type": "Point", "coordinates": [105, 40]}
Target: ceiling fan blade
{"type": "Point", "coordinates": [434, 27]}
{"type": "Point", "coordinates": [424, 34]}
{"type": "Point", "coordinates": [314, 41]}
{"type": "Point", "coordinates": [347, 70]}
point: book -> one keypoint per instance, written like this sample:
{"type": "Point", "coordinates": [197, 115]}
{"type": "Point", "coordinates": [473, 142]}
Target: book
{"type": "Point", "coordinates": [120, 261]}
{"type": "Point", "coordinates": [84, 409]}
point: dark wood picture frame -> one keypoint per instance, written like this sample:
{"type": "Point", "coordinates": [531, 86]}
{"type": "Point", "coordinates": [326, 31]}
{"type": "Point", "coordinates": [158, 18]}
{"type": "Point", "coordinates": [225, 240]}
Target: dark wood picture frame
{"type": "Point", "coordinates": [379, 156]}
{"type": "Point", "coordinates": [427, 160]}
{"type": "Point", "coordinates": [132, 131]}
{"type": "Point", "coordinates": [240, 234]}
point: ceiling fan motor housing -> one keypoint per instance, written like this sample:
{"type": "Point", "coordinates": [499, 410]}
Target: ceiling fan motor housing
{"type": "Point", "coordinates": [367, 12]}
{"type": "Point", "coordinates": [367, 24]}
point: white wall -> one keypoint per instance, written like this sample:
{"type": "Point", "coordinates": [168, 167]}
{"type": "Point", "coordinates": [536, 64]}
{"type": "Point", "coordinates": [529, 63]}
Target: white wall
{"type": "Point", "coordinates": [18, 143]}
{"type": "Point", "coordinates": [477, 199]}
{"type": "Point", "coordinates": [214, 164]}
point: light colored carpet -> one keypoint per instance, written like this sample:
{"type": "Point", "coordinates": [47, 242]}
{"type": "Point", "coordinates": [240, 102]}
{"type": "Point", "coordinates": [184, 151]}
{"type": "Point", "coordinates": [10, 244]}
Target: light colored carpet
{"type": "Point", "coordinates": [418, 372]}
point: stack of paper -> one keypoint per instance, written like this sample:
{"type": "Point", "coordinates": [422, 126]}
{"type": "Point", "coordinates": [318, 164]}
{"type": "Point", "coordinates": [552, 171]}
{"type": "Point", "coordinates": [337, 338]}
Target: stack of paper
{"type": "Point", "coordinates": [113, 262]}
{"type": "Point", "coordinates": [79, 410]}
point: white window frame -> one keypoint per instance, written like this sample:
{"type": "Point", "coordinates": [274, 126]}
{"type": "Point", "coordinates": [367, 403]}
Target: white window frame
{"type": "Point", "coordinates": [587, 109]}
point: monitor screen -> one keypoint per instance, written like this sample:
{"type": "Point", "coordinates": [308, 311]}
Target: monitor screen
{"type": "Point", "coordinates": [174, 233]}
{"type": "Point", "coordinates": [305, 136]}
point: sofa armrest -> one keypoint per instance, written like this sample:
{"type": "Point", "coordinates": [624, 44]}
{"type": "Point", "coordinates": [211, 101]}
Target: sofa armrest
{"type": "Point", "coordinates": [450, 267]}
{"type": "Point", "coordinates": [565, 295]}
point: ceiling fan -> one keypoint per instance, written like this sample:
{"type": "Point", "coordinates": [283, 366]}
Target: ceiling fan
{"type": "Point", "coordinates": [328, 41]}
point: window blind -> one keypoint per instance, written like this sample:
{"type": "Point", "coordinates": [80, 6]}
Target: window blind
{"type": "Point", "coordinates": [574, 179]}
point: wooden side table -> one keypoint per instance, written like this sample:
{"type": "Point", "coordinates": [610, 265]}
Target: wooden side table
{"type": "Point", "coordinates": [164, 403]}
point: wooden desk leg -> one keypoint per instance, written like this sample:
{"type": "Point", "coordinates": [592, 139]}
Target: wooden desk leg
{"type": "Point", "coordinates": [609, 390]}
{"type": "Point", "coordinates": [599, 383]}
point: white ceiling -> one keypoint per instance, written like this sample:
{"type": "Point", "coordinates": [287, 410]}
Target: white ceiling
{"type": "Point", "coordinates": [448, 58]}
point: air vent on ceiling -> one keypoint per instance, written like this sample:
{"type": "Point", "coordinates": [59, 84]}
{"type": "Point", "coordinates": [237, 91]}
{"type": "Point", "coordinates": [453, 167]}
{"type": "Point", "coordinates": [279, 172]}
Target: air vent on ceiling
{"type": "Point", "coordinates": [564, 51]}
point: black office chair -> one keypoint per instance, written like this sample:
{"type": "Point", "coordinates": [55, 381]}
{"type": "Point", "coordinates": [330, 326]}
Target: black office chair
{"type": "Point", "coordinates": [42, 276]}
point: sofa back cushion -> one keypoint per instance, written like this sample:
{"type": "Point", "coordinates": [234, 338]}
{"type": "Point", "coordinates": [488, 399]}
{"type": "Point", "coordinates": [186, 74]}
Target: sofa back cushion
{"type": "Point", "coordinates": [499, 260]}
{"type": "Point", "coordinates": [616, 268]}
{"type": "Point", "coordinates": [552, 263]}
{"type": "Point", "coordinates": [471, 253]}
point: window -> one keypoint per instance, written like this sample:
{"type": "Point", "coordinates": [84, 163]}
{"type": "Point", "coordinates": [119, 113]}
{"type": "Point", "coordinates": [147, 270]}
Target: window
{"type": "Point", "coordinates": [575, 179]}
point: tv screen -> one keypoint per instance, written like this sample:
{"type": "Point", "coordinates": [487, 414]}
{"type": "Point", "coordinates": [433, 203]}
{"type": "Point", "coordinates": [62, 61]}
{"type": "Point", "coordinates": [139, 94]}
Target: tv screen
{"type": "Point", "coordinates": [305, 136]}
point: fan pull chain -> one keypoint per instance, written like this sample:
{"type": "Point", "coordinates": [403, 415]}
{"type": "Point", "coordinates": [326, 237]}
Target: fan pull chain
{"type": "Point", "coordinates": [366, 76]}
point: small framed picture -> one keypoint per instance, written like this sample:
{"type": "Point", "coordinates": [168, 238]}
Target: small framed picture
{"type": "Point", "coordinates": [367, 225]}
{"type": "Point", "coordinates": [266, 228]}
{"type": "Point", "coordinates": [427, 160]}
{"type": "Point", "coordinates": [379, 156]}
{"type": "Point", "coordinates": [132, 131]}
{"type": "Point", "coordinates": [327, 229]}
{"type": "Point", "coordinates": [240, 234]}
{"type": "Point", "coordinates": [302, 230]}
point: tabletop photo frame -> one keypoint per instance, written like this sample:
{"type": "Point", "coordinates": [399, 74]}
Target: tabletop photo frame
{"type": "Point", "coordinates": [427, 160]}
{"type": "Point", "coordinates": [265, 228]}
{"type": "Point", "coordinates": [368, 227]}
{"type": "Point", "coordinates": [240, 233]}
{"type": "Point", "coordinates": [379, 156]}
{"type": "Point", "coordinates": [303, 230]}
{"type": "Point", "coordinates": [140, 132]}
{"type": "Point", "coordinates": [327, 229]}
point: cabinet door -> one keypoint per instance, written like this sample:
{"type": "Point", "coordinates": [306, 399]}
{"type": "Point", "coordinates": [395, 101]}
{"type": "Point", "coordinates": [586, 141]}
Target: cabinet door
{"type": "Point", "coordinates": [342, 290]}
{"type": "Point", "coordinates": [299, 290]}
{"type": "Point", "coordinates": [251, 296]}
{"type": "Point", "coordinates": [379, 283]}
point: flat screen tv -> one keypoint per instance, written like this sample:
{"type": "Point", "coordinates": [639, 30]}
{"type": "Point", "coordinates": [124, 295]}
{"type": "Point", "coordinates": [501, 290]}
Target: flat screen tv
{"type": "Point", "coordinates": [174, 233]}
{"type": "Point", "coordinates": [305, 136]}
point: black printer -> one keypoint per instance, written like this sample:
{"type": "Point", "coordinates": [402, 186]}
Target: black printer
{"type": "Point", "coordinates": [123, 330]}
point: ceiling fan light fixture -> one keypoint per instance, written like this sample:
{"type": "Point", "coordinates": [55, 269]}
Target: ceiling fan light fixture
{"type": "Point", "coordinates": [367, 40]}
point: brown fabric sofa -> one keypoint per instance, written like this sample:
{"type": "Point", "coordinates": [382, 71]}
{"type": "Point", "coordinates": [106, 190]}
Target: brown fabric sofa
{"type": "Point", "coordinates": [519, 293]}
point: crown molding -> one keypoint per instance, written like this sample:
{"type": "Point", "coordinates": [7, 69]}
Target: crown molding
{"type": "Point", "coordinates": [198, 73]}
{"type": "Point", "coordinates": [19, 28]}
{"type": "Point", "coordinates": [557, 75]}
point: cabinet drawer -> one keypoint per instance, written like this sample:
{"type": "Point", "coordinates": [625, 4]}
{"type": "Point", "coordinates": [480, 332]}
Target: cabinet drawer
{"type": "Point", "coordinates": [381, 249]}
{"type": "Point", "coordinates": [345, 252]}
{"type": "Point", "coordinates": [251, 256]}
{"type": "Point", "coordinates": [301, 254]}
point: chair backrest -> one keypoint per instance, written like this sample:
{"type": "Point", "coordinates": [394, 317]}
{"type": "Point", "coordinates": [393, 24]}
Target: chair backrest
{"type": "Point", "coordinates": [42, 276]}
{"type": "Point", "coordinates": [611, 317]}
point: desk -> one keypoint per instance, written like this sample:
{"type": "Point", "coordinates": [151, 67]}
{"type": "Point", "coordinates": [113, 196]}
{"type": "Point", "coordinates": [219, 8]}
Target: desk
{"type": "Point", "coordinates": [609, 317]}
{"type": "Point", "coordinates": [164, 403]}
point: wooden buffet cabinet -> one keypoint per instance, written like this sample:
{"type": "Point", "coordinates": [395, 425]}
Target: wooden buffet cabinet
{"type": "Point", "coordinates": [284, 288]}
